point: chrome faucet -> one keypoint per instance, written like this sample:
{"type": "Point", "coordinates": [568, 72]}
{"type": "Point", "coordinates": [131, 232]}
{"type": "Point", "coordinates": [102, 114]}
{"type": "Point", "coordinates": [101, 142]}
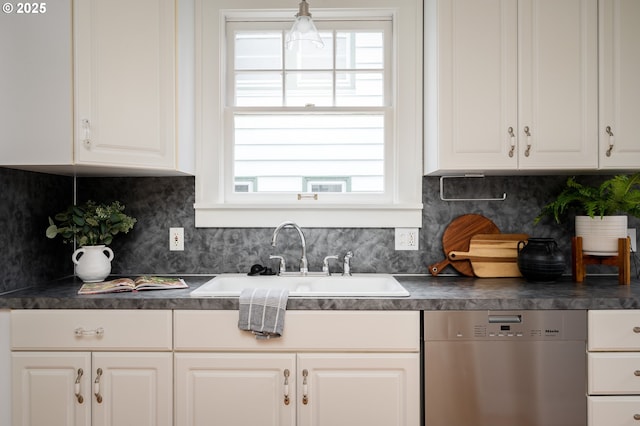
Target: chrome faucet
{"type": "Point", "coordinates": [304, 268]}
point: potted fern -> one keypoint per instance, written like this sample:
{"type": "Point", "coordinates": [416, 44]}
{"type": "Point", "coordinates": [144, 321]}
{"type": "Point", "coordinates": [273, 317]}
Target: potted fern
{"type": "Point", "coordinates": [601, 210]}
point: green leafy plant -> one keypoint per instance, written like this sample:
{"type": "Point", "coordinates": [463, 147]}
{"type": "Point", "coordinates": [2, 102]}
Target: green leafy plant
{"type": "Point", "coordinates": [617, 195]}
{"type": "Point", "coordinates": [90, 223]}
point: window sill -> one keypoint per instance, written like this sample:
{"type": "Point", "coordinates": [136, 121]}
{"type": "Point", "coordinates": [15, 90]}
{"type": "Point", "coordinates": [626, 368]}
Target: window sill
{"type": "Point", "coordinates": [308, 216]}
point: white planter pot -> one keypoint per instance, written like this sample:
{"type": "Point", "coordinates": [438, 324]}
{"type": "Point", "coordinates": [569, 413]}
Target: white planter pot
{"type": "Point", "coordinates": [600, 234]}
{"type": "Point", "coordinates": [95, 263]}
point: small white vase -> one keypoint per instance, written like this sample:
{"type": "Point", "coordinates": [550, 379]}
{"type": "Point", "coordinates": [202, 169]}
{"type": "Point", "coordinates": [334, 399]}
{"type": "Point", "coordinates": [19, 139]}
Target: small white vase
{"type": "Point", "coordinates": [95, 263]}
{"type": "Point", "coordinates": [600, 234]}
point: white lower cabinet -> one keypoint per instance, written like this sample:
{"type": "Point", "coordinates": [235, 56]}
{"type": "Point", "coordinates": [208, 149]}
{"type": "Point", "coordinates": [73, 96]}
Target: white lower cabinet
{"type": "Point", "coordinates": [614, 368]}
{"type": "Point", "coordinates": [195, 368]}
{"type": "Point", "coordinates": [51, 388]}
{"type": "Point", "coordinates": [328, 369]}
{"type": "Point", "coordinates": [102, 367]}
{"type": "Point", "coordinates": [82, 388]}
{"type": "Point", "coordinates": [235, 389]}
{"type": "Point", "coordinates": [364, 389]}
{"type": "Point", "coordinates": [614, 410]}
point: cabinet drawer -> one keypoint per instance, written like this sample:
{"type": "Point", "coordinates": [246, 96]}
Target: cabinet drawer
{"type": "Point", "coordinates": [91, 329]}
{"type": "Point", "coordinates": [614, 330]}
{"type": "Point", "coordinates": [397, 331]}
{"type": "Point", "coordinates": [614, 373]}
{"type": "Point", "coordinates": [614, 410]}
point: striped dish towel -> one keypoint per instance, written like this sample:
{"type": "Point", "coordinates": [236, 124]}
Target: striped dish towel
{"type": "Point", "coordinates": [262, 311]}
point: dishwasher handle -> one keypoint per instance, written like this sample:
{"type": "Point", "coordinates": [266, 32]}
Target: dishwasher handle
{"type": "Point", "coordinates": [505, 319]}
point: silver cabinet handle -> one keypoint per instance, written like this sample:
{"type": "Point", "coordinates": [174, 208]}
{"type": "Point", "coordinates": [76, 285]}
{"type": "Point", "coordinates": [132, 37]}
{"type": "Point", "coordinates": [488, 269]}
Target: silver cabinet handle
{"type": "Point", "coordinates": [512, 139]}
{"type": "Point", "coordinates": [305, 387]}
{"type": "Point", "coordinates": [527, 132]}
{"type": "Point", "coordinates": [81, 332]}
{"type": "Point", "coordinates": [636, 373]}
{"type": "Point", "coordinates": [636, 417]}
{"type": "Point", "coordinates": [79, 396]}
{"type": "Point", "coordinates": [612, 140]}
{"type": "Point", "coordinates": [286, 387]}
{"type": "Point", "coordinates": [96, 386]}
{"type": "Point", "coordinates": [636, 329]}
{"type": "Point", "coordinates": [86, 126]}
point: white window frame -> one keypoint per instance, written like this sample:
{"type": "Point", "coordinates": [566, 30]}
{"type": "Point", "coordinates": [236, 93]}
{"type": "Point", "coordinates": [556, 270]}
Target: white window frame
{"type": "Point", "coordinates": [402, 209]}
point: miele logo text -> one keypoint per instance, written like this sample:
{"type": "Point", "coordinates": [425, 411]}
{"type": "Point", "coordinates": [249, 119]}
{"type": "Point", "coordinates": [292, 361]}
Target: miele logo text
{"type": "Point", "coordinates": [552, 331]}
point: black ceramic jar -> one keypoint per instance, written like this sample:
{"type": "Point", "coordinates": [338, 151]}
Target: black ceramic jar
{"type": "Point", "coordinates": [540, 260]}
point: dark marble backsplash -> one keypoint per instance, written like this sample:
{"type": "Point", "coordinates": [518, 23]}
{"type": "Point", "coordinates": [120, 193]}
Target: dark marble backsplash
{"type": "Point", "coordinates": [26, 200]}
{"type": "Point", "coordinates": [159, 203]}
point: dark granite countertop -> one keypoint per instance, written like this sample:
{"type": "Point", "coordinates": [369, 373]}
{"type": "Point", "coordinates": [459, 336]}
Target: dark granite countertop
{"type": "Point", "coordinates": [427, 293]}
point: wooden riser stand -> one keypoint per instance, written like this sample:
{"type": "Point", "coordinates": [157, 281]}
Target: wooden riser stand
{"type": "Point", "coordinates": [622, 260]}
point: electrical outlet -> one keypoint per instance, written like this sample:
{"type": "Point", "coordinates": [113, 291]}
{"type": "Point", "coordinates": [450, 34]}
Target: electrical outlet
{"type": "Point", "coordinates": [176, 239]}
{"type": "Point", "coordinates": [407, 239]}
{"type": "Point", "coordinates": [631, 232]}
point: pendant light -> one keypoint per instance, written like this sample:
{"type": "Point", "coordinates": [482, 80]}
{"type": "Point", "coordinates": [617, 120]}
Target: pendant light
{"type": "Point", "coordinates": [303, 28]}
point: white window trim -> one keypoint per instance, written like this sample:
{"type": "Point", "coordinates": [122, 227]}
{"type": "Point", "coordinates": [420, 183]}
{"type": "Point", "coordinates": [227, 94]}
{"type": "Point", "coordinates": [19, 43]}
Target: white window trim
{"type": "Point", "coordinates": [405, 210]}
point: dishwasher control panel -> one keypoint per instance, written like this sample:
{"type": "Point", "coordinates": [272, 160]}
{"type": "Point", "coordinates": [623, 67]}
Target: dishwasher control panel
{"type": "Point", "coordinates": [503, 325]}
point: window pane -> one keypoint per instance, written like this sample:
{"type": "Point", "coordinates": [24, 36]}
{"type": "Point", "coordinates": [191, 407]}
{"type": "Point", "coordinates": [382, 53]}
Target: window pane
{"type": "Point", "coordinates": [258, 50]}
{"type": "Point", "coordinates": [258, 89]}
{"type": "Point", "coordinates": [359, 50]}
{"type": "Point", "coordinates": [306, 56]}
{"type": "Point", "coordinates": [309, 87]}
{"type": "Point", "coordinates": [359, 89]}
{"type": "Point", "coordinates": [291, 149]}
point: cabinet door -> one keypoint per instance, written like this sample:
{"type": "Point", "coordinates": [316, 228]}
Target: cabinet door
{"type": "Point", "coordinates": [614, 330]}
{"type": "Point", "coordinates": [613, 373]}
{"type": "Point", "coordinates": [558, 84]}
{"type": "Point", "coordinates": [235, 389]}
{"type": "Point", "coordinates": [471, 85]}
{"type": "Point", "coordinates": [36, 114]}
{"type": "Point", "coordinates": [619, 83]}
{"type": "Point", "coordinates": [613, 410]}
{"type": "Point", "coordinates": [51, 388]}
{"type": "Point", "coordinates": [125, 82]}
{"type": "Point", "coordinates": [358, 389]}
{"type": "Point", "coordinates": [135, 388]}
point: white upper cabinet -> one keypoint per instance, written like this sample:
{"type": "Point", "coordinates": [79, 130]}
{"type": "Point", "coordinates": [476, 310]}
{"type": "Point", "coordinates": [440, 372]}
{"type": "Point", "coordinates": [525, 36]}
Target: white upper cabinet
{"type": "Point", "coordinates": [510, 85]}
{"type": "Point", "coordinates": [471, 67]}
{"type": "Point", "coordinates": [121, 117]}
{"type": "Point", "coordinates": [125, 82]}
{"type": "Point", "coordinates": [619, 84]}
{"type": "Point", "coordinates": [36, 86]}
{"type": "Point", "coordinates": [558, 84]}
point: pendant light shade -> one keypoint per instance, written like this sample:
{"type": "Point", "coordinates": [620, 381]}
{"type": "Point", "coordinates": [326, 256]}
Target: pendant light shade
{"type": "Point", "coordinates": [303, 28]}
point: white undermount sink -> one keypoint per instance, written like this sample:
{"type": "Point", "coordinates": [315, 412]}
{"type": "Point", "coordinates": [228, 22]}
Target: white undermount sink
{"type": "Point", "coordinates": [357, 285]}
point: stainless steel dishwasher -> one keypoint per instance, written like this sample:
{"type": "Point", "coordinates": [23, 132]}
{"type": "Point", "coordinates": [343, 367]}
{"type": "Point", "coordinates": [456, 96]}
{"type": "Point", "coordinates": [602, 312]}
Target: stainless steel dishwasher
{"type": "Point", "coordinates": [505, 368]}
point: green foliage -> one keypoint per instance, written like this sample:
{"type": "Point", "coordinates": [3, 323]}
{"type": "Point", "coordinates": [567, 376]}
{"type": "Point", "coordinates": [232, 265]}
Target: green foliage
{"type": "Point", "coordinates": [90, 223]}
{"type": "Point", "coordinates": [615, 196]}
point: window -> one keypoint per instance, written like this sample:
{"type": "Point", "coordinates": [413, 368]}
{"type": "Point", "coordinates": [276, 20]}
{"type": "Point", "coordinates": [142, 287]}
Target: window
{"type": "Point", "coordinates": [305, 110]}
{"type": "Point", "coordinates": [326, 137]}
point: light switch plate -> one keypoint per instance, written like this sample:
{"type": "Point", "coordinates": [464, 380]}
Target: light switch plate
{"type": "Point", "coordinates": [176, 239]}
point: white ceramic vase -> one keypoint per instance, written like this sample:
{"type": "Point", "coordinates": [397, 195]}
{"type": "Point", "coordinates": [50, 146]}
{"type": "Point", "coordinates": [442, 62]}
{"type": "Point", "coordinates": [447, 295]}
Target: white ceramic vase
{"type": "Point", "coordinates": [600, 234]}
{"type": "Point", "coordinates": [95, 263]}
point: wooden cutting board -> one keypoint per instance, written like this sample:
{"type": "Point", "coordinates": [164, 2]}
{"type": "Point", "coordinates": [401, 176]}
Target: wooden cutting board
{"type": "Point", "coordinates": [492, 255]}
{"type": "Point", "coordinates": [457, 236]}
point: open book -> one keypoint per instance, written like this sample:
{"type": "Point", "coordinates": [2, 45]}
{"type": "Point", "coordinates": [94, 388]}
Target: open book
{"type": "Point", "coordinates": [145, 282]}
